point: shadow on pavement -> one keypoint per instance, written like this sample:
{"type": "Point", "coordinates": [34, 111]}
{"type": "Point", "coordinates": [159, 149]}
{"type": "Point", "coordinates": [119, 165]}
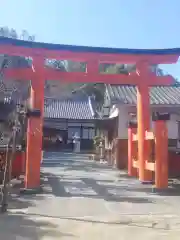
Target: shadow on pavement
{"type": "Point", "coordinates": [89, 184]}
{"type": "Point", "coordinates": [173, 190]}
{"type": "Point", "coordinates": [94, 167]}
{"type": "Point", "coordinates": [126, 221]}
{"type": "Point", "coordinates": [15, 224]}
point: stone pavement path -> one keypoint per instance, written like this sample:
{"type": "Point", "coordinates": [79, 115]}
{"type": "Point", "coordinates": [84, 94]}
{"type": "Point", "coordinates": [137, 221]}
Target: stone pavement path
{"type": "Point", "coordinates": [85, 200]}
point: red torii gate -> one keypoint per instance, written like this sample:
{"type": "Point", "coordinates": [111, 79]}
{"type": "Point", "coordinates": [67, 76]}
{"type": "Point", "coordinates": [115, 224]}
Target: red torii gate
{"type": "Point", "coordinates": [93, 56]}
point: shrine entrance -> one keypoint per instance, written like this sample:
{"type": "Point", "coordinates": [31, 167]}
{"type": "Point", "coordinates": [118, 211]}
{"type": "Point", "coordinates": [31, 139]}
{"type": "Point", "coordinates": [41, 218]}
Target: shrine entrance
{"type": "Point", "coordinates": [92, 57]}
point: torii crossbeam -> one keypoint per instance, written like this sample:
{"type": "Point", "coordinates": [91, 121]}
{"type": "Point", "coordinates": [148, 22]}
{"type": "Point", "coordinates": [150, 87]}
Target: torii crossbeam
{"type": "Point", "coordinates": [93, 56]}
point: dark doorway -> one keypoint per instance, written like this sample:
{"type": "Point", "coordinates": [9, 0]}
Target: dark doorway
{"type": "Point", "coordinates": [55, 140]}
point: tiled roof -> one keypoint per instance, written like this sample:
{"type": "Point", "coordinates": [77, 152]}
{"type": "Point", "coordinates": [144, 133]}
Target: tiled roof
{"type": "Point", "coordinates": [126, 94]}
{"type": "Point", "coordinates": [68, 109]}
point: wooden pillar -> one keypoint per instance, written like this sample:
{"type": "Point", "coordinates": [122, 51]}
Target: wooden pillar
{"type": "Point", "coordinates": [143, 121]}
{"type": "Point", "coordinates": [34, 129]}
{"type": "Point", "coordinates": [161, 150]}
{"type": "Point", "coordinates": [132, 129]}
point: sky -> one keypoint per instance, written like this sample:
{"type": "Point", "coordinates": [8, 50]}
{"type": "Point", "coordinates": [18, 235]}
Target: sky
{"type": "Point", "coordinates": [115, 23]}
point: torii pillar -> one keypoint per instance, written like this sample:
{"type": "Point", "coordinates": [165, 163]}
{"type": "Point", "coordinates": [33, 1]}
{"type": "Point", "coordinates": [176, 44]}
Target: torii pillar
{"type": "Point", "coordinates": [35, 128]}
{"type": "Point", "coordinates": [143, 121]}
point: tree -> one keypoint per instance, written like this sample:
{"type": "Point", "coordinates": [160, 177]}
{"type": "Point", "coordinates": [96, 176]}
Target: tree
{"type": "Point", "coordinates": [11, 33]}
{"type": "Point", "coordinates": [17, 61]}
{"type": "Point", "coordinates": [10, 87]}
{"type": "Point", "coordinates": [52, 88]}
{"type": "Point", "coordinates": [117, 68]}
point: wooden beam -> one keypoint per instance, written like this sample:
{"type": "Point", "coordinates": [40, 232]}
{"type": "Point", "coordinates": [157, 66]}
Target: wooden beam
{"type": "Point", "coordinates": [160, 80]}
{"type": "Point", "coordinates": [149, 135]}
{"type": "Point", "coordinates": [150, 166]}
{"type": "Point", "coordinates": [19, 73]}
{"type": "Point", "coordinates": [134, 137]}
{"type": "Point", "coordinates": [86, 56]}
{"type": "Point", "coordinates": [81, 77]}
{"type": "Point", "coordinates": [51, 74]}
{"type": "Point", "coordinates": [91, 78]}
{"type": "Point", "coordinates": [135, 163]}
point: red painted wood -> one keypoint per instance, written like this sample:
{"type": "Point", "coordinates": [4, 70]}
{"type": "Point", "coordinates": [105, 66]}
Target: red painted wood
{"type": "Point", "coordinates": [18, 164]}
{"type": "Point", "coordinates": [81, 56]}
{"type": "Point", "coordinates": [174, 163]}
{"type": "Point", "coordinates": [131, 170]}
{"type": "Point", "coordinates": [34, 130]}
{"type": "Point", "coordinates": [145, 79]}
{"type": "Point", "coordinates": [161, 150]}
{"type": "Point", "coordinates": [51, 74]}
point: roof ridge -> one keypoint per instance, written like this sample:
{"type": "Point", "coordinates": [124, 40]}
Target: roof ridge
{"type": "Point", "coordinates": [167, 95]}
{"type": "Point", "coordinates": [69, 109]}
{"type": "Point", "coordinates": [68, 100]}
{"type": "Point", "coordinates": [90, 106]}
{"type": "Point", "coordinates": [175, 85]}
{"type": "Point", "coordinates": [73, 48]}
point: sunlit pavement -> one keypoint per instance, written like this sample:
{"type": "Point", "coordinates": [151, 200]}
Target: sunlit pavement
{"type": "Point", "coordinates": [87, 200]}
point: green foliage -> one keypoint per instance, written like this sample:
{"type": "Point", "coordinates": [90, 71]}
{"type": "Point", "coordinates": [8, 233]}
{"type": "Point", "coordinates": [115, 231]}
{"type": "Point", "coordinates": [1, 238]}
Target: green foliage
{"type": "Point", "coordinates": [10, 87]}
{"type": "Point", "coordinates": [73, 66]}
{"type": "Point", "coordinates": [11, 33]}
{"type": "Point", "coordinates": [97, 140]}
{"type": "Point", "coordinates": [117, 68]}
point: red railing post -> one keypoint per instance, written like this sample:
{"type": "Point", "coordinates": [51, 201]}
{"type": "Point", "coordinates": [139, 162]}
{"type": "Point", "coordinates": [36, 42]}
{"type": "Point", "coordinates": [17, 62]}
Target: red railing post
{"type": "Point", "coordinates": [132, 129]}
{"type": "Point", "coordinates": [161, 151]}
{"type": "Point", "coordinates": [143, 120]}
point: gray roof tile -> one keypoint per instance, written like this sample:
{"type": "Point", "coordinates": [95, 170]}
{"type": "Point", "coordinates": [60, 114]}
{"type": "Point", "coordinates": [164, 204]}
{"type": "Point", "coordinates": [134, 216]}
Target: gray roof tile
{"type": "Point", "coordinates": [126, 94]}
{"type": "Point", "coordinates": [68, 109]}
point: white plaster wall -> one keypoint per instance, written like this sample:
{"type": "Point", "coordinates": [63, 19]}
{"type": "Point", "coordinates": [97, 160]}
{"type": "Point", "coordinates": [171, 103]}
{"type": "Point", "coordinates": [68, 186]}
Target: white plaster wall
{"type": "Point", "coordinates": [123, 121]}
{"type": "Point", "coordinates": [106, 138]}
{"type": "Point", "coordinates": [172, 127]}
{"type": "Point", "coordinates": [124, 118]}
